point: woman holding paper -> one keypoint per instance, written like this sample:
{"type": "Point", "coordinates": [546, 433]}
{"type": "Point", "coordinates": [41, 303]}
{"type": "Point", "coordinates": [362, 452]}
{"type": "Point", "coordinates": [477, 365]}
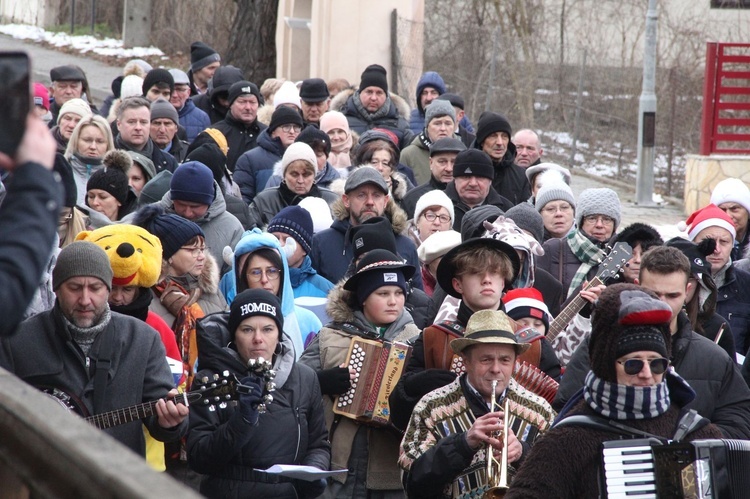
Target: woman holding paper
{"type": "Point", "coordinates": [231, 445]}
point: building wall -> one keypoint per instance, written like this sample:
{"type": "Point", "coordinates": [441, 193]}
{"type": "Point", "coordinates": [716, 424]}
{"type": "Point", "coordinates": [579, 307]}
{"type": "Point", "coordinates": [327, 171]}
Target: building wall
{"type": "Point", "coordinates": [40, 13]}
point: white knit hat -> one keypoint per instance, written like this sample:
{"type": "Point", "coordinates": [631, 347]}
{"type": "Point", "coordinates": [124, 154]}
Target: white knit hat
{"type": "Point", "coordinates": [287, 94]}
{"type": "Point", "coordinates": [319, 211]}
{"type": "Point", "coordinates": [437, 245]}
{"type": "Point", "coordinates": [132, 86]}
{"type": "Point", "coordinates": [298, 151]}
{"type": "Point", "coordinates": [76, 106]}
{"type": "Point", "coordinates": [434, 198]}
{"type": "Point", "coordinates": [731, 190]}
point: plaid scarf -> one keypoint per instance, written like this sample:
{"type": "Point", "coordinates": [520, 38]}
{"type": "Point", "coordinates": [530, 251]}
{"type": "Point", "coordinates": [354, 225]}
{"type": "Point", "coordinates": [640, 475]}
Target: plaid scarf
{"type": "Point", "coordinates": [588, 253]}
{"type": "Point", "coordinates": [621, 402]}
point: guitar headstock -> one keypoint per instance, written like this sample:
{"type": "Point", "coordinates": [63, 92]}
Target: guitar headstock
{"type": "Point", "coordinates": [263, 369]}
{"type": "Point", "coordinates": [215, 391]}
{"type": "Point", "coordinates": [614, 262]}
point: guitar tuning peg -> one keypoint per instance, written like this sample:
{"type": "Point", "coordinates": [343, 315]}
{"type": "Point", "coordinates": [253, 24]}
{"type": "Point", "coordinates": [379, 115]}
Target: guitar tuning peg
{"type": "Point", "coordinates": [215, 377]}
{"type": "Point", "coordinates": [261, 408]}
{"type": "Point", "coordinates": [212, 408]}
{"type": "Point", "coordinates": [268, 399]}
{"type": "Point", "coordinates": [223, 405]}
{"type": "Point", "coordinates": [225, 373]}
{"type": "Point", "coordinates": [204, 379]}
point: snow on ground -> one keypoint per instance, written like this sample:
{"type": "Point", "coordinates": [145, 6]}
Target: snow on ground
{"type": "Point", "coordinates": [83, 44]}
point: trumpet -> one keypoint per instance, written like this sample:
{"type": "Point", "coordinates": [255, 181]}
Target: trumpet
{"type": "Point", "coordinates": [497, 472]}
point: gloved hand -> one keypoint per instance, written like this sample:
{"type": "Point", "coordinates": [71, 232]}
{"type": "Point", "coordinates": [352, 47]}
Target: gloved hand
{"type": "Point", "coordinates": [420, 384]}
{"type": "Point", "coordinates": [334, 381]}
{"type": "Point", "coordinates": [249, 401]}
{"type": "Point", "coordinates": [309, 490]}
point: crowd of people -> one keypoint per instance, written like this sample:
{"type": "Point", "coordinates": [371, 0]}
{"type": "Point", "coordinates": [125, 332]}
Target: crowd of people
{"type": "Point", "coordinates": [204, 219]}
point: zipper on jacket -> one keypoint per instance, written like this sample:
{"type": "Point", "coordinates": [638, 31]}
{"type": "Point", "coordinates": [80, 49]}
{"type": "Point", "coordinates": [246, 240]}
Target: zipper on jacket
{"type": "Point", "coordinates": [299, 433]}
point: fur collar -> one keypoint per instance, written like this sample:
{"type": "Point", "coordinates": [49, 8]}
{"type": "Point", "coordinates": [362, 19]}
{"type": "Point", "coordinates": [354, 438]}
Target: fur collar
{"type": "Point", "coordinates": [338, 308]}
{"type": "Point", "coordinates": [393, 212]}
{"type": "Point", "coordinates": [338, 103]}
{"type": "Point", "coordinates": [208, 281]}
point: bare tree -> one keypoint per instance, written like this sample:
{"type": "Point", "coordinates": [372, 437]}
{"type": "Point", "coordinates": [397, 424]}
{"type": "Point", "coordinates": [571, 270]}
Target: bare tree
{"type": "Point", "coordinates": [252, 42]}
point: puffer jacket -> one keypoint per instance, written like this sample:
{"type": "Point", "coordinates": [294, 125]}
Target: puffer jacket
{"type": "Point", "coordinates": [255, 167]}
{"type": "Point", "coordinates": [193, 120]}
{"type": "Point", "coordinates": [226, 449]}
{"type": "Point", "coordinates": [510, 179]}
{"type": "Point", "coordinates": [240, 137]}
{"type": "Point", "coordinates": [307, 282]}
{"type": "Point", "coordinates": [332, 251]}
{"type": "Point", "coordinates": [394, 120]}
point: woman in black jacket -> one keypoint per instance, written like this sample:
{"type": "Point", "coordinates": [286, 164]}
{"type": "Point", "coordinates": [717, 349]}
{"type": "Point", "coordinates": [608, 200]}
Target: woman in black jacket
{"type": "Point", "coordinates": [230, 445]}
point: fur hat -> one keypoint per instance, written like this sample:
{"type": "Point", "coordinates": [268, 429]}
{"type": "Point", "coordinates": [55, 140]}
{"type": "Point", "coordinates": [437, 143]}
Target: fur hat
{"type": "Point", "coordinates": [708, 216]}
{"type": "Point", "coordinates": [81, 259]}
{"type": "Point", "coordinates": [528, 219]}
{"type": "Point", "coordinates": [600, 201]}
{"type": "Point", "coordinates": [113, 178]}
{"type": "Point", "coordinates": [296, 222]}
{"type": "Point", "coordinates": [490, 123]}
{"type": "Point", "coordinates": [133, 252]}
{"type": "Point", "coordinates": [434, 198]}
{"type": "Point", "coordinates": [132, 86]}
{"type": "Point", "coordinates": [201, 55]}
{"type": "Point", "coordinates": [521, 303]}
{"type": "Point", "coordinates": [161, 108]}
{"type": "Point", "coordinates": [172, 230]}
{"type": "Point", "coordinates": [374, 75]}
{"type": "Point", "coordinates": [437, 245]}
{"type": "Point", "coordinates": [252, 302]}
{"type": "Point", "coordinates": [639, 233]}
{"type": "Point", "coordinates": [488, 327]}
{"type": "Point", "coordinates": [79, 107]}
{"type": "Point", "coordinates": [540, 168]}
{"type": "Point", "coordinates": [193, 182]}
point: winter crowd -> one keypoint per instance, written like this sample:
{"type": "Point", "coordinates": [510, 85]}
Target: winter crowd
{"type": "Point", "coordinates": [204, 222]}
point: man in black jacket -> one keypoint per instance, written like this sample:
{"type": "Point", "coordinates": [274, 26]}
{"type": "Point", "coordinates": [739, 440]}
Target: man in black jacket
{"type": "Point", "coordinates": [442, 158]}
{"type": "Point", "coordinates": [134, 128]}
{"type": "Point", "coordinates": [493, 137]}
{"type": "Point", "coordinates": [241, 126]}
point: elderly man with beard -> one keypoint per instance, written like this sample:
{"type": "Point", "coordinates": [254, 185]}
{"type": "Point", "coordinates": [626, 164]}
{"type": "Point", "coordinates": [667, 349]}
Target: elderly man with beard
{"type": "Point", "coordinates": [104, 359]}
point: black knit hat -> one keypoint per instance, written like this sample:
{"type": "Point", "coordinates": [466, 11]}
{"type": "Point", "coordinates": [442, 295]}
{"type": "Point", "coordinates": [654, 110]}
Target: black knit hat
{"type": "Point", "coordinates": [374, 75]}
{"type": "Point", "coordinates": [113, 177]}
{"type": "Point", "coordinates": [157, 75]}
{"type": "Point", "coordinates": [296, 222]}
{"type": "Point", "coordinates": [374, 233]}
{"type": "Point", "coordinates": [172, 230]}
{"type": "Point", "coordinates": [313, 136]}
{"type": "Point", "coordinates": [284, 115]}
{"type": "Point", "coordinates": [314, 90]}
{"type": "Point", "coordinates": [210, 155]}
{"type": "Point", "coordinates": [490, 123]}
{"type": "Point", "coordinates": [243, 87]}
{"type": "Point", "coordinates": [473, 162]}
{"type": "Point", "coordinates": [252, 302]}
{"type": "Point", "coordinates": [627, 318]}
{"type": "Point", "coordinates": [201, 55]}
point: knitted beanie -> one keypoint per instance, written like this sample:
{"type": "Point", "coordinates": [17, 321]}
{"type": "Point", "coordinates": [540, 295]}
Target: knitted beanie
{"type": "Point", "coordinates": [437, 245]}
{"type": "Point", "coordinates": [319, 211]}
{"type": "Point", "coordinates": [287, 94]}
{"type": "Point", "coordinates": [243, 87]}
{"type": "Point", "coordinates": [555, 190]}
{"type": "Point", "coordinates": [312, 135]}
{"type": "Point", "coordinates": [434, 198]}
{"type": "Point", "coordinates": [252, 302]}
{"type": "Point", "coordinates": [600, 201]}
{"type": "Point", "coordinates": [528, 219]}
{"type": "Point", "coordinates": [158, 75]}
{"type": "Point", "coordinates": [333, 120]}
{"type": "Point", "coordinates": [79, 107]}
{"type": "Point", "coordinates": [172, 230]}
{"type": "Point", "coordinates": [296, 222]}
{"type": "Point", "coordinates": [438, 109]}
{"type": "Point", "coordinates": [490, 123]}
{"type": "Point", "coordinates": [284, 115]}
{"type": "Point", "coordinates": [81, 259]}
{"type": "Point", "coordinates": [112, 180]}
{"type": "Point", "coordinates": [298, 151]}
{"type": "Point", "coordinates": [41, 96]}
{"type": "Point", "coordinates": [193, 182]}
{"type": "Point", "coordinates": [374, 75]}
{"type": "Point", "coordinates": [161, 108]}
{"type": "Point", "coordinates": [527, 302]}
{"type": "Point", "coordinates": [473, 162]}
{"type": "Point", "coordinates": [374, 233]}
{"type": "Point", "coordinates": [201, 55]}
{"type": "Point", "coordinates": [731, 190]}
{"type": "Point", "coordinates": [132, 86]}
{"type": "Point", "coordinates": [709, 216]}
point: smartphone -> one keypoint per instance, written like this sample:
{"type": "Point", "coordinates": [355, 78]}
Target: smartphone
{"type": "Point", "coordinates": [15, 99]}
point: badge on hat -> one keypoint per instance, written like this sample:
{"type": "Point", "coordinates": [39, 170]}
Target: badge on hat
{"type": "Point", "coordinates": [390, 277]}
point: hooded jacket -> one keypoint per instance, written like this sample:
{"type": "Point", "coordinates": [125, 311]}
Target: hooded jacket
{"type": "Point", "coordinates": [299, 324]}
{"type": "Point", "coordinates": [510, 179]}
{"type": "Point", "coordinates": [192, 119]}
{"type": "Point", "coordinates": [226, 449]}
{"type": "Point", "coordinates": [255, 167]}
{"type": "Point", "coordinates": [307, 282]}
{"type": "Point", "coordinates": [332, 252]}
{"type": "Point", "coordinates": [428, 79]}
{"type": "Point", "coordinates": [240, 137]}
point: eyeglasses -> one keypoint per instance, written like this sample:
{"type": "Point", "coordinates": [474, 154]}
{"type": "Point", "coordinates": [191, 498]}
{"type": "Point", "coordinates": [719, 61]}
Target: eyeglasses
{"type": "Point", "coordinates": [603, 219]}
{"type": "Point", "coordinates": [290, 128]}
{"type": "Point", "coordinates": [634, 366]}
{"type": "Point", "coordinates": [194, 251]}
{"type": "Point", "coordinates": [255, 275]}
{"type": "Point", "coordinates": [430, 216]}
{"type": "Point", "coordinates": [552, 209]}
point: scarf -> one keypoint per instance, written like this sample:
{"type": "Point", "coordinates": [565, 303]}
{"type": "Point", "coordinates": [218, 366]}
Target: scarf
{"type": "Point", "coordinates": [339, 156]}
{"type": "Point", "coordinates": [620, 402]}
{"type": "Point", "coordinates": [425, 139]}
{"type": "Point", "coordinates": [148, 149]}
{"type": "Point", "coordinates": [85, 336]}
{"type": "Point", "coordinates": [721, 275]}
{"type": "Point", "coordinates": [588, 253]}
{"type": "Point", "coordinates": [367, 115]}
{"type": "Point", "coordinates": [138, 308]}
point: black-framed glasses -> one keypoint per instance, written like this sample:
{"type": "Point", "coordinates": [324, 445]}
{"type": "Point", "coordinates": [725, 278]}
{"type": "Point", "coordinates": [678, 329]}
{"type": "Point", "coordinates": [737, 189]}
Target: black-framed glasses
{"type": "Point", "coordinates": [634, 366]}
{"type": "Point", "coordinates": [255, 275]}
{"type": "Point", "coordinates": [430, 216]}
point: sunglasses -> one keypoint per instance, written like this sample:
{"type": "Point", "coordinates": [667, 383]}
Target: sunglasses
{"type": "Point", "coordinates": [634, 366]}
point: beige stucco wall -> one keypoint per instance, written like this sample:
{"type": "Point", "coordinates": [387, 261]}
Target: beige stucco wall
{"type": "Point", "coordinates": [42, 13]}
{"type": "Point", "coordinates": [702, 173]}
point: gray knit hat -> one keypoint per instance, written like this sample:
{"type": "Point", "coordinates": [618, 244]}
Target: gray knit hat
{"type": "Point", "coordinates": [555, 191]}
{"type": "Point", "coordinates": [528, 219]}
{"type": "Point", "coordinates": [161, 108]}
{"type": "Point", "coordinates": [438, 108]}
{"type": "Point", "coordinates": [79, 259]}
{"type": "Point", "coordinates": [601, 201]}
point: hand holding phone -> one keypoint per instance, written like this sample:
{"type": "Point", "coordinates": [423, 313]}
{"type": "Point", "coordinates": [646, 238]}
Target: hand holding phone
{"type": "Point", "coordinates": [15, 99]}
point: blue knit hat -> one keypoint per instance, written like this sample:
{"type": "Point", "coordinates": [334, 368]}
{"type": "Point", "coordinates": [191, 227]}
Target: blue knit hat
{"type": "Point", "coordinates": [296, 222]}
{"type": "Point", "coordinates": [172, 230]}
{"type": "Point", "coordinates": [193, 182]}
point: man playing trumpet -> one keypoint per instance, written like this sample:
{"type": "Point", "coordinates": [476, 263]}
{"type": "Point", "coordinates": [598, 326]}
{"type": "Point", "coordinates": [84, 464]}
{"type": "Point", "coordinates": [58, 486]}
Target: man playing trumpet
{"type": "Point", "coordinates": [444, 450]}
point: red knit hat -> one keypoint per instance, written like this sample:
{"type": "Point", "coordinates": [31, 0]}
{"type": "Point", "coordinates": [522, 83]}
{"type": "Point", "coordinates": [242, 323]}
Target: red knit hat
{"type": "Point", "coordinates": [710, 216]}
{"type": "Point", "coordinates": [526, 302]}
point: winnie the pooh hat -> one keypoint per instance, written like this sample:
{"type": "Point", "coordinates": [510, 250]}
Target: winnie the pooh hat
{"type": "Point", "coordinates": [134, 253]}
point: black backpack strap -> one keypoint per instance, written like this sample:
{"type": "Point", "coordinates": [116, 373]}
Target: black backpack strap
{"type": "Point", "coordinates": [103, 361]}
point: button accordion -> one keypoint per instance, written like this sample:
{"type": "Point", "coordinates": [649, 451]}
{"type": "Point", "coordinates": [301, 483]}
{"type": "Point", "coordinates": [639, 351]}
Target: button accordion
{"type": "Point", "coordinates": [378, 366]}
{"type": "Point", "coordinates": [701, 469]}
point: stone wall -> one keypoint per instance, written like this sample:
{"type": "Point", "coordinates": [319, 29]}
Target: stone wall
{"type": "Point", "coordinates": [702, 173]}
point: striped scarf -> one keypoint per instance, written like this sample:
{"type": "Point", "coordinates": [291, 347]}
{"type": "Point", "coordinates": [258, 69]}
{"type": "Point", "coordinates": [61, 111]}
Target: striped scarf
{"type": "Point", "coordinates": [588, 253]}
{"type": "Point", "coordinates": [621, 402]}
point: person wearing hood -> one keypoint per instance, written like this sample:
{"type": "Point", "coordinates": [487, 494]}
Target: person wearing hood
{"type": "Point", "coordinates": [440, 123]}
{"type": "Point", "coordinates": [241, 126]}
{"type": "Point", "coordinates": [260, 261]}
{"type": "Point", "coordinates": [230, 446]}
{"type": "Point", "coordinates": [215, 102]}
{"type": "Point", "coordinates": [493, 137]}
{"type": "Point", "coordinates": [370, 304]}
{"type": "Point", "coordinates": [320, 143]}
{"type": "Point", "coordinates": [629, 382]}
{"type": "Point", "coordinates": [141, 171]}
{"type": "Point", "coordinates": [429, 87]}
{"type": "Point", "coordinates": [90, 142]}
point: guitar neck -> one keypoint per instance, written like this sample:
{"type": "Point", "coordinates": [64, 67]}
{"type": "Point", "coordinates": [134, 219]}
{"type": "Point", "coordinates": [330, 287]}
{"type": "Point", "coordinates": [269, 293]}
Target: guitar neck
{"type": "Point", "coordinates": [129, 414]}
{"type": "Point", "coordinates": [566, 315]}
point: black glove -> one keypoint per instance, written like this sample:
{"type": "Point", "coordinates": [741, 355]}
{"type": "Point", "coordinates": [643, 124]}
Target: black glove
{"type": "Point", "coordinates": [334, 381]}
{"type": "Point", "coordinates": [249, 401]}
{"type": "Point", "coordinates": [309, 490]}
{"type": "Point", "coordinates": [420, 384]}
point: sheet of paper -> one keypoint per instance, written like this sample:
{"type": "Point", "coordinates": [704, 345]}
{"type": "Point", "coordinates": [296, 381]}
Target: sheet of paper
{"type": "Point", "coordinates": [309, 473]}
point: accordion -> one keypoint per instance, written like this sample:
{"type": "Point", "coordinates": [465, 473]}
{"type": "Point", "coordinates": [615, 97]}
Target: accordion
{"type": "Point", "coordinates": [701, 469]}
{"type": "Point", "coordinates": [378, 366]}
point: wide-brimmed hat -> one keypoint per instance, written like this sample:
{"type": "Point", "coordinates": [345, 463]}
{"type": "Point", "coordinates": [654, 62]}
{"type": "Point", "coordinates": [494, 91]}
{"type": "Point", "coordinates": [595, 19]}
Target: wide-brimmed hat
{"type": "Point", "coordinates": [488, 327]}
{"type": "Point", "coordinates": [446, 270]}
